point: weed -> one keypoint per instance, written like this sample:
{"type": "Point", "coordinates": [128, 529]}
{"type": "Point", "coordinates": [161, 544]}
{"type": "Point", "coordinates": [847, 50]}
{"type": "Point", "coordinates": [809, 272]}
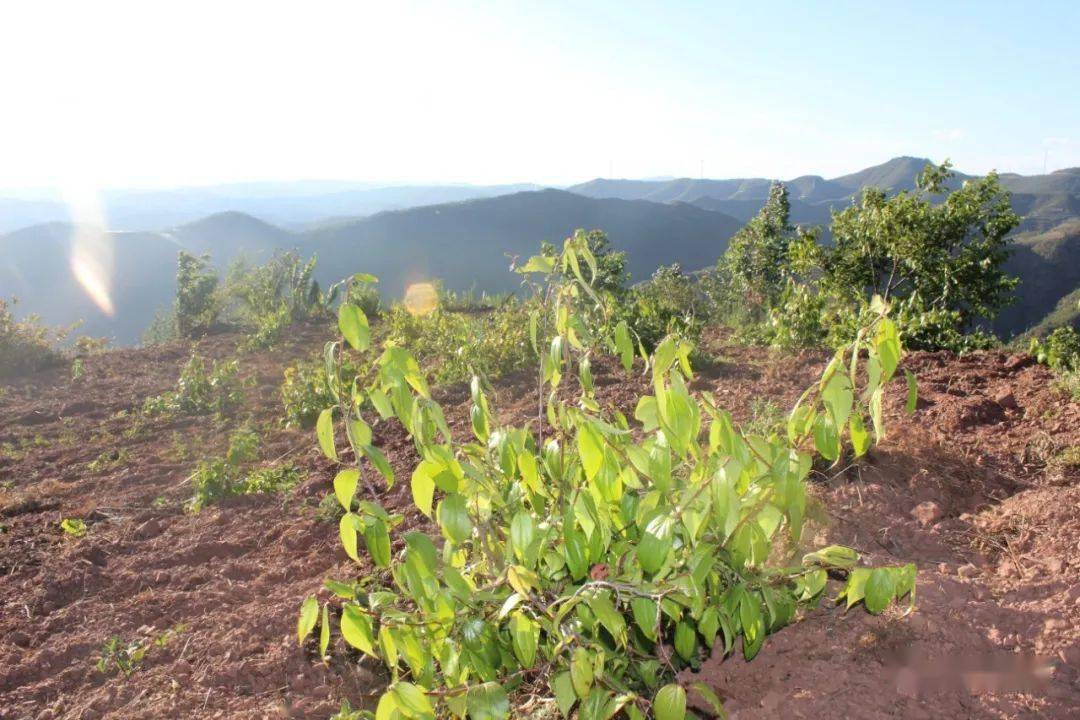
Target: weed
{"type": "Point", "coordinates": [766, 418]}
{"type": "Point", "coordinates": [120, 656]}
{"type": "Point", "coordinates": [216, 479]}
{"type": "Point", "coordinates": [201, 391]}
{"type": "Point", "coordinates": [73, 527]}
{"type": "Point", "coordinates": [346, 712]}
{"type": "Point", "coordinates": [109, 460]}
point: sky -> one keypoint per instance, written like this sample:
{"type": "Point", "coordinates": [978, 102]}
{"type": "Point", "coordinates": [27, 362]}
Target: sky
{"type": "Point", "coordinates": [145, 93]}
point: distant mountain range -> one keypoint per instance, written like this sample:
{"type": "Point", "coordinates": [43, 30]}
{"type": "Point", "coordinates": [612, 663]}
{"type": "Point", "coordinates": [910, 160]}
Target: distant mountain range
{"type": "Point", "coordinates": [291, 205]}
{"type": "Point", "coordinates": [463, 235]}
{"type": "Point", "coordinates": [1042, 200]}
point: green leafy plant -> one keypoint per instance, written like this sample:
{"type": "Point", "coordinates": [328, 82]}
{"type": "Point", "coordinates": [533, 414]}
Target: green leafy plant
{"type": "Point", "coordinates": [1060, 350]}
{"type": "Point", "coordinates": [197, 304]}
{"type": "Point", "coordinates": [581, 557]}
{"type": "Point", "coordinates": [202, 391]}
{"type": "Point", "coordinates": [670, 302]}
{"type": "Point", "coordinates": [453, 346]}
{"type": "Point", "coordinates": [125, 657]}
{"type": "Point", "coordinates": [73, 527]}
{"type": "Point", "coordinates": [120, 656]}
{"type": "Point", "coordinates": [109, 459]}
{"type": "Point", "coordinates": [270, 297]}
{"type": "Point", "coordinates": [305, 390]}
{"type": "Point", "coordinates": [26, 345]}
{"type": "Point", "coordinates": [216, 479]}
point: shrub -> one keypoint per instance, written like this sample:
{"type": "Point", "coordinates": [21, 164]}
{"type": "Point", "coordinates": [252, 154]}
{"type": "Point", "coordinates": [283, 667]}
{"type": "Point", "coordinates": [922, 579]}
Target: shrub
{"type": "Point", "coordinates": [200, 391]}
{"type": "Point", "coordinates": [25, 345]}
{"type": "Point", "coordinates": [268, 298]}
{"type": "Point", "coordinates": [1060, 350]}
{"type": "Point", "coordinates": [671, 302]}
{"type": "Point", "coordinates": [305, 390]}
{"type": "Point", "coordinates": [580, 560]}
{"type": "Point", "coordinates": [219, 478]}
{"type": "Point", "coordinates": [197, 305]}
{"type": "Point", "coordinates": [454, 346]}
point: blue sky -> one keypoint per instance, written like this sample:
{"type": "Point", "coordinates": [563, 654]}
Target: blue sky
{"type": "Point", "coordinates": [125, 93]}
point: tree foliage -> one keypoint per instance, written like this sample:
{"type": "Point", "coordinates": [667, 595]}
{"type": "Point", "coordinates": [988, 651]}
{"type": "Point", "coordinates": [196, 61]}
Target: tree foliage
{"type": "Point", "coordinates": [26, 345]}
{"type": "Point", "coordinates": [197, 306]}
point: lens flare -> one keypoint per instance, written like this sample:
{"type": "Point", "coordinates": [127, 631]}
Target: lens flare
{"type": "Point", "coordinates": [421, 298]}
{"type": "Point", "coordinates": [91, 247]}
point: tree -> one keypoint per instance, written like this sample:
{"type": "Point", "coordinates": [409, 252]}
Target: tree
{"type": "Point", "coordinates": [197, 306]}
{"type": "Point", "coordinates": [935, 254]}
{"type": "Point", "coordinates": [755, 265]}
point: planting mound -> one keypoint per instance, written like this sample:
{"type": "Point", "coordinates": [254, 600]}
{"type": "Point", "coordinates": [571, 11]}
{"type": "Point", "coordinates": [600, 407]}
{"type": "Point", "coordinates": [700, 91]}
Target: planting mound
{"type": "Point", "coordinates": [980, 488]}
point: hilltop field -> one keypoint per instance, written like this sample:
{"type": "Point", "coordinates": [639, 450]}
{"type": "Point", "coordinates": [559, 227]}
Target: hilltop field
{"type": "Point", "coordinates": [980, 488]}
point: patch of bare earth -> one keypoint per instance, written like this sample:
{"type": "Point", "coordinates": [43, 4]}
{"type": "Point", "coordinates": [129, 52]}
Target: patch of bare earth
{"type": "Point", "coordinates": [969, 488]}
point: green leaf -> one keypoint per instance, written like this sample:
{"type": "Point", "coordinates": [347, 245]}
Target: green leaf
{"type": "Point", "coordinates": [347, 531]}
{"type": "Point", "coordinates": [581, 672]}
{"type": "Point", "coordinates": [354, 326]}
{"type": "Point", "coordinates": [670, 703]}
{"type": "Point", "coordinates": [538, 264]}
{"type": "Point", "coordinates": [880, 590]}
{"type": "Point", "coordinates": [912, 392]}
{"type": "Point", "coordinates": [345, 487]}
{"type": "Point", "coordinates": [324, 631]}
{"type": "Point", "coordinates": [423, 489]}
{"type": "Point", "coordinates": [609, 617]}
{"type": "Point", "coordinates": [377, 459]}
{"type": "Point", "coordinates": [624, 345]}
{"type": "Point", "coordinates": [377, 539]}
{"type": "Point", "coordinates": [575, 552]}
{"type": "Point", "coordinates": [563, 688]}
{"type": "Point", "coordinates": [685, 640]}
{"type": "Point", "coordinates": [887, 344]}
{"type": "Point", "coordinates": [838, 398]}
{"type": "Point", "coordinates": [356, 629]}
{"type": "Point", "coordinates": [522, 533]}
{"type": "Point", "coordinates": [706, 693]}
{"type": "Point", "coordinates": [524, 637]}
{"type": "Point", "coordinates": [359, 432]}
{"type": "Point", "coordinates": [833, 556]}
{"type": "Point", "coordinates": [591, 447]}
{"type": "Point", "coordinates": [855, 590]}
{"type": "Point", "coordinates": [487, 702]}
{"type": "Point", "coordinates": [309, 615]}
{"type": "Point", "coordinates": [324, 429]}
{"type": "Point", "coordinates": [644, 610]}
{"type": "Point", "coordinates": [860, 438]}
{"type": "Point", "coordinates": [412, 701]}
{"type": "Point", "coordinates": [453, 518]}
{"type": "Point", "coordinates": [655, 543]}
{"type": "Point", "coordinates": [387, 708]}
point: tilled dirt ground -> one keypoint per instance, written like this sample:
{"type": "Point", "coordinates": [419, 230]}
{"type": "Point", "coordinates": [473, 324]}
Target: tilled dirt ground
{"type": "Point", "coordinates": [976, 488]}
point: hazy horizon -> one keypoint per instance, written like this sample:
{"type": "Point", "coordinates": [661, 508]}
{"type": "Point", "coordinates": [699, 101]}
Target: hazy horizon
{"type": "Point", "coordinates": [132, 95]}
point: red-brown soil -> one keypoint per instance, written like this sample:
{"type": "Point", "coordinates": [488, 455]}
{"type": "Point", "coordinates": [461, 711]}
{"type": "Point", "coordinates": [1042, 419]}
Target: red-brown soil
{"type": "Point", "coordinates": [995, 632]}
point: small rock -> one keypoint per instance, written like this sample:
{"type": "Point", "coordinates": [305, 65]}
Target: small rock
{"type": "Point", "coordinates": [1055, 565]}
{"type": "Point", "coordinates": [149, 529]}
{"type": "Point", "coordinates": [1020, 360]}
{"type": "Point", "coordinates": [1006, 399]}
{"type": "Point", "coordinates": [927, 513]}
{"type": "Point", "coordinates": [967, 571]}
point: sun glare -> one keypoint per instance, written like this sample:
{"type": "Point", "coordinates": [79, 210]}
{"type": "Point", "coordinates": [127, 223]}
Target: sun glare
{"type": "Point", "coordinates": [91, 247]}
{"type": "Point", "coordinates": [421, 298]}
